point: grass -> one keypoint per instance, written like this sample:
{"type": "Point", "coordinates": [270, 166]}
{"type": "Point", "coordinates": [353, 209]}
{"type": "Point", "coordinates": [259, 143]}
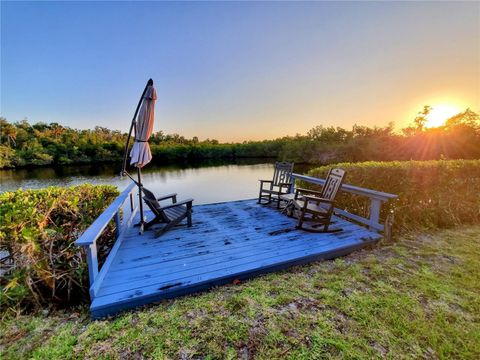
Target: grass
{"type": "Point", "coordinates": [416, 298]}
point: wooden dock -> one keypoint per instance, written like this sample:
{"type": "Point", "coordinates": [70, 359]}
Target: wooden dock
{"type": "Point", "coordinates": [228, 241]}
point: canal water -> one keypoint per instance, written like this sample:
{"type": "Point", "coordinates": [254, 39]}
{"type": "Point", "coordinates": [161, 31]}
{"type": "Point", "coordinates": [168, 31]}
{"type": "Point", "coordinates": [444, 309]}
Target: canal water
{"type": "Point", "coordinates": [206, 183]}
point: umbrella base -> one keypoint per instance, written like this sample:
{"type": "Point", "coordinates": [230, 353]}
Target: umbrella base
{"type": "Point", "coordinates": [141, 225]}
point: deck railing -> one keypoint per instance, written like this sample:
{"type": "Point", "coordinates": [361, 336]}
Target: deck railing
{"type": "Point", "coordinates": [377, 198]}
{"type": "Point", "coordinates": [123, 217]}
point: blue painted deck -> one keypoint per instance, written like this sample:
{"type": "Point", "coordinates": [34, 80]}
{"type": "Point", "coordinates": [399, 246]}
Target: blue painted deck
{"type": "Point", "coordinates": [232, 240]}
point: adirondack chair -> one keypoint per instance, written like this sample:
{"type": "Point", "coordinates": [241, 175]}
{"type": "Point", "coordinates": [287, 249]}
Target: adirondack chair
{"type": "Point", "coordinates": [280, 184]}
{"type": "Point", "coordinates": [170, 215]}
{"type": "Point", "coordinates": [315, 208]}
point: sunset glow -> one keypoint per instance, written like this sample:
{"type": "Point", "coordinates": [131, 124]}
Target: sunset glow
{"type": "Point", "coordinates": [441, 113]}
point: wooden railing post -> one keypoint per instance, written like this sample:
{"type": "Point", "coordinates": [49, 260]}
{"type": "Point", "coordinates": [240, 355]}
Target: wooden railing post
{"type": "Point", "coordinates": [131, 201]}
{"type": "Point", "coordinates": [292, 187]}
{"type": "Point", "coordinates": [118, 224]}
{"type": "Point", "coordinates": [92, 261]}
{"type": "Point", "coordinates": [88, 240]}
{"type": "Point", "coordinates": [375, 205]}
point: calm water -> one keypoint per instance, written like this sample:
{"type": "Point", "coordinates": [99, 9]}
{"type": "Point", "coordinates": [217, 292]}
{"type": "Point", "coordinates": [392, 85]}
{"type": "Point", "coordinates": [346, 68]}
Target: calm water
{"type": "Point", "coordinates": [206, 183]}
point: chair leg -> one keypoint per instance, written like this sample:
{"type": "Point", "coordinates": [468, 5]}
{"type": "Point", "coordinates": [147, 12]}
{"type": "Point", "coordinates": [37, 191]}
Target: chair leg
{"type": "Point", "coordinates": [152, 222]}
{"type": "Point", "coordinates": [300, 221]}
{"type": "Point", "coordinates": [189, 218]}
{"type": "Point", "coordinates": [259, 196]}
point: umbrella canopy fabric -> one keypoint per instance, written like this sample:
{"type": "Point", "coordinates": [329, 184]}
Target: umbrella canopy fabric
{"type": "Point", "coordinates": [140, 154]}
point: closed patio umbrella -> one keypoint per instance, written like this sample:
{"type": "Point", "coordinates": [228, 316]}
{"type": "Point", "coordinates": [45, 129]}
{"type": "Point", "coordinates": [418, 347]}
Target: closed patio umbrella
{"type": "Point", "coordinates": [143, 124]}
{"type": "Point", "coordinates": [140, 154]}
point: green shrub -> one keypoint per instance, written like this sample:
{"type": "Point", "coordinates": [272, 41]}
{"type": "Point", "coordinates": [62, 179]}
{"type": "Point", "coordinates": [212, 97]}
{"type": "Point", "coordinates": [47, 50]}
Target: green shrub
{"type": "Point", "coordinates": [38, 229]}
{"type": "Point", "coordinates": [432, 194]}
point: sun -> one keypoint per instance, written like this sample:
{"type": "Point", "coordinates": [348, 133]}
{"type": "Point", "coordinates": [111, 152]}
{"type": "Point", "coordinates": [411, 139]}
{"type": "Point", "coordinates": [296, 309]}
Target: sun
{"type": "Point", "coordinates": [441, 113]}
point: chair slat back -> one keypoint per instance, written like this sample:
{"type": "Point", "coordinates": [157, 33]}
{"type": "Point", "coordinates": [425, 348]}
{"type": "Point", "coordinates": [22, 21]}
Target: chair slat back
{"type": "Point", "coordinates": [282, 173]}
{"type": "Point", "coordinates": [333, 183]}
{"type": "Point", "coordinates": [152, 203]}
{"type": "Point", "coordinates": [149, 198]}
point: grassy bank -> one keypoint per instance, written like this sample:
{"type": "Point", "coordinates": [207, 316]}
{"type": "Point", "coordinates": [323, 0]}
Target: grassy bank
{"type": "Point", "coordinates": [416, 298]}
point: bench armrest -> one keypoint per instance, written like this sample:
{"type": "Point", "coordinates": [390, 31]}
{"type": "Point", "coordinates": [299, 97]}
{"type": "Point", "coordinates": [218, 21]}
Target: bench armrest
{"type": "Point", "coordinates": [165, 197]}
{"type": "Point", "coordinates": [317, 199]}
{"type": "Point", "coordinates": [188, 202]}
{"type": "Point", "coordinates": [306, 191]}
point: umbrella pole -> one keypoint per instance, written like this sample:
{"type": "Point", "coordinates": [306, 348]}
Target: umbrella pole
{"type": "Point", "coordinates": [140, 200]}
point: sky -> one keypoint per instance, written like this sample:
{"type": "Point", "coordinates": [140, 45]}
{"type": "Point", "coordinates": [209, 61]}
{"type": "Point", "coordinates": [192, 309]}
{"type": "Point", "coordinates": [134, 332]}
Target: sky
{"type": "Point", "coordinates": [237, 71]}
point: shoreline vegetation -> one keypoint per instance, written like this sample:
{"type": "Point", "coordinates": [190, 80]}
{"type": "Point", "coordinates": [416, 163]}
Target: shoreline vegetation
{"type": "Point", "coordinates": [25, 145]}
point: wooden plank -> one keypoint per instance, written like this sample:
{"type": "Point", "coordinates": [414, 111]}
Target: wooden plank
{"type": "Point", "coordinates": [95, 230]}
{"type": "Point", "coordinates": [374, 218]}
{"type": "Point", "coordinates": [184, 246]}
{"type": "Point", "coordinates": [103, 306]}
{"type": "Point", "coordinates": [212, 228]}
{"type": "Point", "coordinates": [184, 238]}
{"type": "Point", "coordinates": [94, 288]}
{"type": "Point", "coordinates": [360, 219]}
{"type": "Point", "coordinates": [349, 188]}
{"type": "Point", "coordinates": [92, 262]}
{"type": "Point", "coordinates": [251, 263]}
{"type": "Point", "coordinates": [201, 264]}
{"type": "Point", "coordinates": [138, 259]}
{"type": "Point", "coordinates": [157, 256]}
{"type": "Point", "coordinates": [144, 269]}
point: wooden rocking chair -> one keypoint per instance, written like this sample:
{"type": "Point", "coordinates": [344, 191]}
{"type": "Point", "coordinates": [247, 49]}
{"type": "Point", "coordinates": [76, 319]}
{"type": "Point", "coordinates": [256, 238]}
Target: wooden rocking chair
{"type": "Point", "coordinates": [171, 215]}
{"type": "Point", "coordinates": [280, 184]}
{"type": "Point", "coordinates": [315, 208]}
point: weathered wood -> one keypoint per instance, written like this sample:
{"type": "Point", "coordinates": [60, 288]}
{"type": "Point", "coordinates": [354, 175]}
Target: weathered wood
{"type": "Point", "coordinates": [92, 262]}
{"type": "Point", "coordinates": [118, 224]}
{"type": "Point", "coordinates": [316, 207]}
{"type": "Point", "coordinates": [90, 236]}
{"type": "Point", "coordinates": [349, 188]}
{"type": "Point", "coordinates": [359, 219]}
{"type": "Point", "coordinates": [375, 205]}
{"type": "Point", "coordinates": [112, 304]}
{"type": "Point", "coordinates": [175, 271]}
{"type": "Point", "coordinates": [232, 240]}
{"type": "Point", "coordinates": [376, 200]}
{"type": "Point", "coordinates": [280, 184]}
{"type": "Point", "coordinates": [95, 230]}
{"type": "Point", "coordinates": [99, 277]}
{"type": "Point", "coordinates": [169, 215]}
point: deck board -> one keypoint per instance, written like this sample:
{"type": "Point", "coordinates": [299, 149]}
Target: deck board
{"type": "Point", "coordinates": [233, 240]}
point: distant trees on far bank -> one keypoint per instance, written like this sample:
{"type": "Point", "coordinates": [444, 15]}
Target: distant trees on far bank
{"type": "Point", "coordinates": [24, 144]}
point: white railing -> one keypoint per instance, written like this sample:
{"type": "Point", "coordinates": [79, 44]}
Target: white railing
{"type": "Point", "coordinates": [376, 200]}
{"type": "Point", "coordinates": [123, 216]}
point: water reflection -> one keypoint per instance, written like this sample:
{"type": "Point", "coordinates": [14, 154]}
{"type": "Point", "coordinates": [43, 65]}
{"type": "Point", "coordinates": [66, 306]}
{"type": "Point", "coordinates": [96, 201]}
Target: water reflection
{"type": "Point", "coordinates": [206, 183]}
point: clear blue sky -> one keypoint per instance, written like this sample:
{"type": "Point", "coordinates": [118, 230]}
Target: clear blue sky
{"type": "Point", "coordinates": [235, 71]}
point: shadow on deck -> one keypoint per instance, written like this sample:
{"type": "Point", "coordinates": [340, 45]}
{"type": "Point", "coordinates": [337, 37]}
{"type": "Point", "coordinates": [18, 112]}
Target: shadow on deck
{"type": "Point", "coordinates": [228, 241]}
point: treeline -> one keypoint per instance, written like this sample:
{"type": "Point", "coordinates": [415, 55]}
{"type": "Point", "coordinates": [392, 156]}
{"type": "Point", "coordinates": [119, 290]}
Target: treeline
{"type": "Point", "coordinates": [23, 144]}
